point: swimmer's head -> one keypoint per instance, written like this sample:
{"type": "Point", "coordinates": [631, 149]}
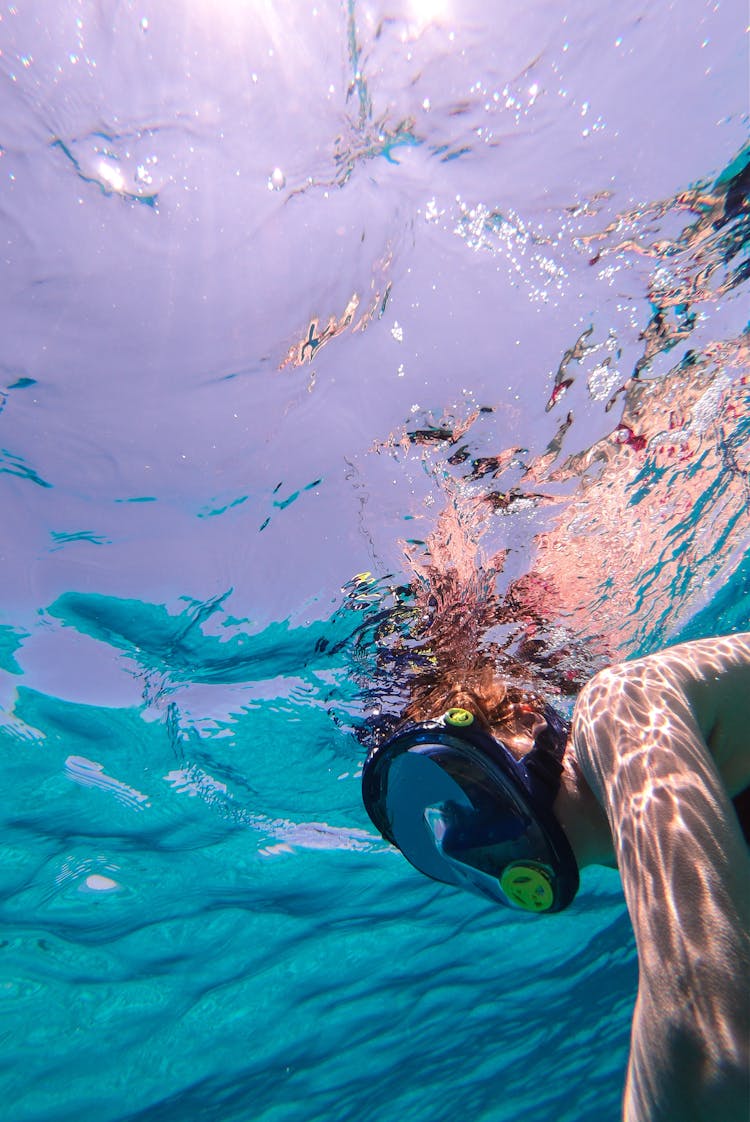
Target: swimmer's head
{"type": "Point", "coordinates": [518, 717]}
{"type": "Point", "coordinates": [466, 809]}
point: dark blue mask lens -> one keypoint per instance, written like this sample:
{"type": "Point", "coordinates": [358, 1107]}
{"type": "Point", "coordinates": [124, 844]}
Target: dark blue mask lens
{"type": "Point", "coordinates": [465, 816]}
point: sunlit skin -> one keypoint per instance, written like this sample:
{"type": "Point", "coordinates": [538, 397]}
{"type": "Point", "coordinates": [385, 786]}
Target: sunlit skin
{"type": "Point", "coordinates": [658, 748]}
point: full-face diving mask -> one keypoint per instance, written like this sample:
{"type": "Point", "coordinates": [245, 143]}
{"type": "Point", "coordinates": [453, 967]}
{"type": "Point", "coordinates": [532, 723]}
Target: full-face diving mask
{"type": "Point", "coordinates": [464, 811]}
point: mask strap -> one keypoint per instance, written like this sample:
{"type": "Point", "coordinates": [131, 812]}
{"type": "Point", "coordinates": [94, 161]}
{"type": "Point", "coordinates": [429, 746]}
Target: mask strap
{"type": "Point", "coordinates": [544, 761]}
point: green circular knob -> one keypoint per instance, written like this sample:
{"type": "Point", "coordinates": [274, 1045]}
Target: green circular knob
{"type": "Point", "coordinates": [461, 718]}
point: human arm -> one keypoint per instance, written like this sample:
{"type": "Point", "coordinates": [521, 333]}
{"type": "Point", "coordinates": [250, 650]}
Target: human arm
{"type": "Point", "coordinates": [640, 739]}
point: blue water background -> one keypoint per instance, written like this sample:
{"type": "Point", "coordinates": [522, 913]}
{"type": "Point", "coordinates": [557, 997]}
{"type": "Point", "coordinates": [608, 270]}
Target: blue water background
{"type": "Point", "coordinates": [198, 919]}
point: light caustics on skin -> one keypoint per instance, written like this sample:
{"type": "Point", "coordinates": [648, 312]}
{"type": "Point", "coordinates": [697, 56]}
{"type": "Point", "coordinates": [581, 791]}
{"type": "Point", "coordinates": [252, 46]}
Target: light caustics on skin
{"type": "Point", "coordinates": [640, 733]}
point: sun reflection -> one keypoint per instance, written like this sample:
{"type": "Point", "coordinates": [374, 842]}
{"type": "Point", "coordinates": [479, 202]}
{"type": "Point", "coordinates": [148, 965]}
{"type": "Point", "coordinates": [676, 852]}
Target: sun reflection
{"type": "Point", "coordinates": [422, 14]}
{"type": "Point", "coordinates": [112, 176]}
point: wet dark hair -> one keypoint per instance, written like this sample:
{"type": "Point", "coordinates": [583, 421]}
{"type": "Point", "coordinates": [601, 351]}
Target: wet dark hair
{"type": "Point", "coordinates": [519, 717]}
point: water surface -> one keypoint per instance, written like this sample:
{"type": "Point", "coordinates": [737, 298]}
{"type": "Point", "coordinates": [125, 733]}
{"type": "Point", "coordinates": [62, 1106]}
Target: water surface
{"type": "Point", "coordinates": [284, 285]}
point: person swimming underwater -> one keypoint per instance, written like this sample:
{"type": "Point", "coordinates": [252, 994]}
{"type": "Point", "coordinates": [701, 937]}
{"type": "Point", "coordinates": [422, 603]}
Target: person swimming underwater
{"type": "Point", "coordinates": [496, 794]}
{"type": "Point", "coordinates": [482, 784]}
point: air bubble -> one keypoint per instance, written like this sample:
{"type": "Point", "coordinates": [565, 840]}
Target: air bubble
{"type": "Point", "coordinates": [276, 180]}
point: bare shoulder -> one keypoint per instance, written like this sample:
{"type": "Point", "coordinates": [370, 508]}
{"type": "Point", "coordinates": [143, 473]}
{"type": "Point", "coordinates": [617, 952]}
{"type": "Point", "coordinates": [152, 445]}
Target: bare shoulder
{"type": "Point", "coordinates": [705, 683]}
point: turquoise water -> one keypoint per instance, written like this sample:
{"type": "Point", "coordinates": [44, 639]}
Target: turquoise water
{"type": "Point", "coordinates": [304, 306]}
{"type": "Point", "coordinates": [253, 951]}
